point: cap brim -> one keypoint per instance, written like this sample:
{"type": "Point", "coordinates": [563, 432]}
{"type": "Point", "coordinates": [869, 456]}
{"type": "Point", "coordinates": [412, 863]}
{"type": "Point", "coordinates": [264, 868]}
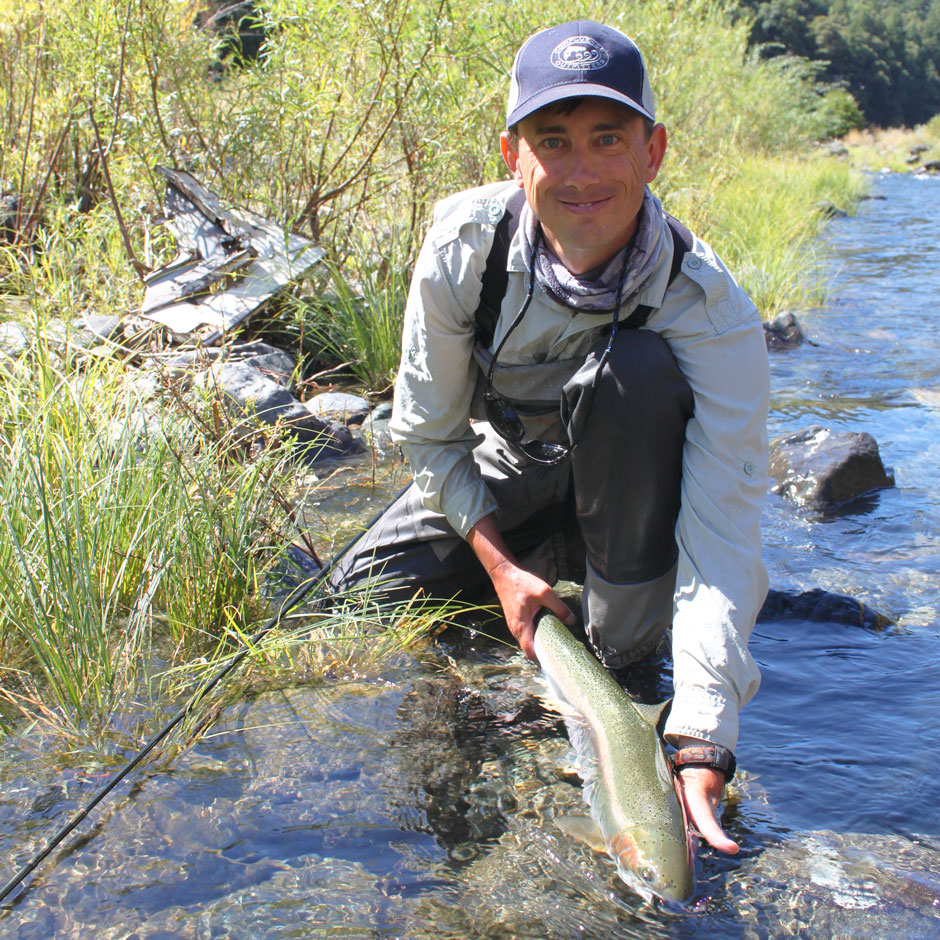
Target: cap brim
{"type": "Point", "coordinates": [572, 90]}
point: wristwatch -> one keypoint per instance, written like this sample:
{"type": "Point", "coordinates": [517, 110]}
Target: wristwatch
{"type": "Point", "coordinates": [706, 755]}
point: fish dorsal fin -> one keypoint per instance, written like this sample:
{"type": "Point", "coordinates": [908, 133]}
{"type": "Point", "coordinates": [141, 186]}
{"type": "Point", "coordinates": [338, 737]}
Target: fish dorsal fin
{"type": "Point", "coordinates": [654, 714]}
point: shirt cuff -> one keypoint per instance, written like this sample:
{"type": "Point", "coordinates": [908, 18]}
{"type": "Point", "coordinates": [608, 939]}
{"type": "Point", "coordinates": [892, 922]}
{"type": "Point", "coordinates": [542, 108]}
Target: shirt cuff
{"type": "Point", "coordinates": [466, 506]}
{"type": "Point", "coordinates": [699, 713]}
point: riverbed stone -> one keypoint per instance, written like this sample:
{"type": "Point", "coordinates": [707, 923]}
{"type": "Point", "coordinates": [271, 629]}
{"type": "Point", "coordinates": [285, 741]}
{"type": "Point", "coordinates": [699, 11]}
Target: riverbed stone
{"type": "Point", "coordinates": [376, 433]}
{"type": "Point", "coordinates": [339, 406]}
{"type": "Point", "coordinates": [249, 393]}
{"type": "Point", "coordinates": [783, 332]}
{"type": "Point", "coordinates": [822, 469]}
{"type": "Point", "coordinates": [819, 606]}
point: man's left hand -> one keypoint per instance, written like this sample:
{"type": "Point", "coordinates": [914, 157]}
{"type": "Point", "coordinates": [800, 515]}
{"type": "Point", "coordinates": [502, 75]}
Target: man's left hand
{"type": "Point", "coordinates": [702, 789]}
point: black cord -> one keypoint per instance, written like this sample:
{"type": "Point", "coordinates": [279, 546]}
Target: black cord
{"type": "Point", "coordinates": [292, 600]}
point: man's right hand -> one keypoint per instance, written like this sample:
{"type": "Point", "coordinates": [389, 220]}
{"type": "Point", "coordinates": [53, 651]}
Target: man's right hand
{"type": "Point", "coordinates": [521, 593]}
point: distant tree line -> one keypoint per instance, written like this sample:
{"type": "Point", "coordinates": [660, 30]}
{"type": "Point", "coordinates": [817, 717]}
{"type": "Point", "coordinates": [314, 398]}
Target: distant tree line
{"type": "Point", "coordinates": [886, 53]}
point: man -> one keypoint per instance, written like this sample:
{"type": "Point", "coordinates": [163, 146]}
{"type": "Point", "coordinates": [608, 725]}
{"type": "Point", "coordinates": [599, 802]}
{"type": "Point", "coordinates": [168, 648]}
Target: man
{"type": "Point", "coordinates": [599, 414]}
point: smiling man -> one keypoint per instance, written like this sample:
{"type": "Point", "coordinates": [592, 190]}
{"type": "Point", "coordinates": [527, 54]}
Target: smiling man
{"type": "Point", "coordinates": [583, 396]}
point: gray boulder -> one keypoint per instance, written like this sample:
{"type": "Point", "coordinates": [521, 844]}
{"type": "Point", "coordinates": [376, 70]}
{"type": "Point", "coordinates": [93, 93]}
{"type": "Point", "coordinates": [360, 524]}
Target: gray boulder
{"type": "Point", "coordinates": [822, 469]}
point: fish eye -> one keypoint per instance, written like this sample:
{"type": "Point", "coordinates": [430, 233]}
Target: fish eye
{"type": "Point", "coordinates": [648, 874]}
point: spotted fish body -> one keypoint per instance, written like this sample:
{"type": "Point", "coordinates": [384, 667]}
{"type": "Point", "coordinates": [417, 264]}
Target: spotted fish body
{"type": "Point", "coordinates": [629, 784]}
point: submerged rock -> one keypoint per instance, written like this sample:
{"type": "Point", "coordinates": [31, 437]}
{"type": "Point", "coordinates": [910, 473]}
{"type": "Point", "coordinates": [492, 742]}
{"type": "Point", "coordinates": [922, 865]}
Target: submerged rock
{"type": "Point", "coordinates": [819, 606]}
{"type": "Point", "coordinates": [783, 332]}
{"type": "Point", "coordinates": [823, 469]}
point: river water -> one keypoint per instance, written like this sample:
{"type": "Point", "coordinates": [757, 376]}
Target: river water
{"type": "Point", "coordinates": [419, 801]}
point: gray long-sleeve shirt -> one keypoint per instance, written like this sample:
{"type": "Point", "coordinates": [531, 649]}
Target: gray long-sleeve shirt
{"type": "Point", "coordinates": [714, 332]}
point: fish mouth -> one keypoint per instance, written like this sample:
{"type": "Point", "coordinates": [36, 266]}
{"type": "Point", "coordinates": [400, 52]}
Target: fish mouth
{"type": "Point", "coordinates": [651, 878]}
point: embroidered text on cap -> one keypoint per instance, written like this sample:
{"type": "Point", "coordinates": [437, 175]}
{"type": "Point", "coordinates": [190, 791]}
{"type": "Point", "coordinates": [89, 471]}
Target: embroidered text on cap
{"type": "Point", "coordinates": [579, 52]}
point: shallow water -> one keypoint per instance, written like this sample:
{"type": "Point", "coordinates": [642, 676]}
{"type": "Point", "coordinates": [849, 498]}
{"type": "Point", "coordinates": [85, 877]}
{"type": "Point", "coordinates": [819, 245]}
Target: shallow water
{"type": "Point", "coordinates": [419, 802]}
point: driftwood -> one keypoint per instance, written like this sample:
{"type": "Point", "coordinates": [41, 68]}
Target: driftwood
{"type": "Point", "coordinates": [229, 263]}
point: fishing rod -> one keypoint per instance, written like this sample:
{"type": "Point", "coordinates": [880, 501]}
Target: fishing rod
{"type": "Point", "coordinates": [299, 593]}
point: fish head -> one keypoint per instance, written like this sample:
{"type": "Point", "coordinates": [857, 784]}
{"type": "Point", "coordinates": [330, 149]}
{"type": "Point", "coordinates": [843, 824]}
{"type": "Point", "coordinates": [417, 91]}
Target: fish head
{"type": "Point", "coordinates": [655, 862]}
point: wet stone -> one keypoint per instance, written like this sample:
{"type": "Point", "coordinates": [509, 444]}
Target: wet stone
{"type": "Point", "coordinates": [783, 332]}
{"type": "Point", "coordinates": [823, 469]}
{"type": "Point", "coordinates": [819, 606]}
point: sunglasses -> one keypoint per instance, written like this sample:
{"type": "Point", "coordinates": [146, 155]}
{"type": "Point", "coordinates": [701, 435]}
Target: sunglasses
{"type": "Point", "coordinates": [502, 414]}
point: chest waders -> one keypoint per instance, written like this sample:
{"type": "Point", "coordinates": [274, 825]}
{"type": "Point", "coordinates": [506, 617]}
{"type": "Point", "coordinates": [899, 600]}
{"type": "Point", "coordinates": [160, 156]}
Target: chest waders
{"type": "Point", "coordinates": [604, 517]}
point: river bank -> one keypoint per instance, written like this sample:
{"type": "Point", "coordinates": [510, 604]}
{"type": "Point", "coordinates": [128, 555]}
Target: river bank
{"type": "Point", "coordinates": [896, 150]}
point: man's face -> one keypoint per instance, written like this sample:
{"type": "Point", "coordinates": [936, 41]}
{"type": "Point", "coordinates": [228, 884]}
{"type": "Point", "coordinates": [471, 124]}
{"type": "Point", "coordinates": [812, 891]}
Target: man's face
{"type": "Point", "coordinates": [584, 174]}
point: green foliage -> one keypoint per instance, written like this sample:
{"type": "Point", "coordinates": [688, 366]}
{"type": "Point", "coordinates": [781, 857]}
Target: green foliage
{"type": "Point", "coordinates": [886, 55]}
{"type": "Point", "coordinates": [837, 113]}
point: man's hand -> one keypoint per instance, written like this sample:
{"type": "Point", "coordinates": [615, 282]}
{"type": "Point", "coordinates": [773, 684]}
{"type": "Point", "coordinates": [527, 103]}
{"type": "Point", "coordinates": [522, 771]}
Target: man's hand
{"type": "Point", "coordinates": [702, 789]}
{"type": "Point", "coordinates": [521, 593]}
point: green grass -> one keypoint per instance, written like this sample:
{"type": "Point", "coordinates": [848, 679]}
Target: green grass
{"type": "Point", "coordinates": [764, 222]}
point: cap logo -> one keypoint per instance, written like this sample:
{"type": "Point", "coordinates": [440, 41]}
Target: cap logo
{"type": "Point", "coordinates": [579, 52]}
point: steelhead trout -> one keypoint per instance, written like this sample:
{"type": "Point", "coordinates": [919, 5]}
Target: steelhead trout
{"type": "Point", "coordinates": [629, 784]}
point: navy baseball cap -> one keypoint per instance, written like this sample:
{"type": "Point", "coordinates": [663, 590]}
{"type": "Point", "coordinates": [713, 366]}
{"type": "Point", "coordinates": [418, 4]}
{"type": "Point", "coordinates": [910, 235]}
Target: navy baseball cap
{"type": "Point", "coordinates": [574, 59]}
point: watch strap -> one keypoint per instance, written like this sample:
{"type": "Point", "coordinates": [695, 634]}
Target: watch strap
{"type": "Point", "coordinates": [706, 755]}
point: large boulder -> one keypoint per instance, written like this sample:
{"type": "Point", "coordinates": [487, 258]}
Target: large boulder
{"type": "Point", "coordinates": [822, 469]}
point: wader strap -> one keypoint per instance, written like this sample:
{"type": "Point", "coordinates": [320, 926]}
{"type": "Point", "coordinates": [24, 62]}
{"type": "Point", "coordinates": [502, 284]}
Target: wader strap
{"type": "Point", "coordinates": [495, 275]}
{"type": "Point", "coordinates": [496, 278]}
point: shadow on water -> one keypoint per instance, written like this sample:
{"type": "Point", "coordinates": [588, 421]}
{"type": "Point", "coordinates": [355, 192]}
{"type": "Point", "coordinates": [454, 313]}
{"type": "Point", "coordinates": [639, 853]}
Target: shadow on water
{"type": "Point", "coordinates": [420, 801]}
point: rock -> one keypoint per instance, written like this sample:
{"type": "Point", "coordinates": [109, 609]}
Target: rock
{"type": "Point", "coordinates": [250, 392]}
{"type": "Point", "coordinates": [783, 332]}
{"type": "Point", "coordinates": [822, 469]}
{"type": "Point", "coordinates": [376, 433]}
{"type": "Point", "coordinates": [382, 410]}
{"type": "Point", "coordinates": [835, 148]}
{"type": "Point", "coordinates": [109, 329]}
{"type": "Point", "coordinates": [819, 606]}
{"type": "Point", "coordinates": [275, 363]}
{"type": "Point", "coordinates": [830, 211]}
{"type": "Point", "coordinates": [339, 406]}
{"type": "Point", "coordinates": [15, 339]}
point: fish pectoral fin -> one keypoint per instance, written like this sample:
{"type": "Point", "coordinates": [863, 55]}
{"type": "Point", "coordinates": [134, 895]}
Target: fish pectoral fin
{"type": "Point", "coordinates": [584, 829]}
{"type": "Point", "coordinates": [654, 715]}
